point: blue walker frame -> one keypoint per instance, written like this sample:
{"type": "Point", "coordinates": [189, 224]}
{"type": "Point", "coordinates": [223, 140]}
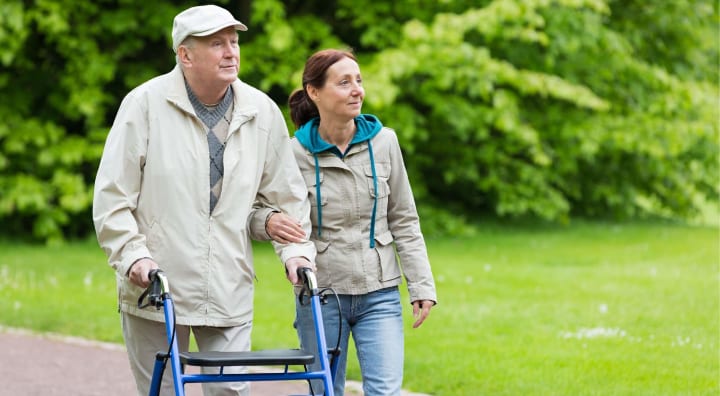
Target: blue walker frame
{"type": "Point", "coordinates": [158, 294]}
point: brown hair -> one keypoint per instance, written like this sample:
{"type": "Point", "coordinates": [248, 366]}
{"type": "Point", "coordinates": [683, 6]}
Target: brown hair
{"type": "Point", "coordinates": [302, 109]}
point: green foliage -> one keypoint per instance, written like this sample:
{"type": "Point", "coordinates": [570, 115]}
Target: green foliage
{"type": "Point", "coordinates": [67, 65]}
{"type": "Point", "coordinates": [682, 36]}
{"type": "Point", "coordinates": [539, 108]}
{"type": "Point", "coordinates": [546, 108]}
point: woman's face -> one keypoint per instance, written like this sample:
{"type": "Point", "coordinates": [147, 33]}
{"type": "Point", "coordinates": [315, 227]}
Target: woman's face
{"type": "Point", "coordinates": [342, 95]}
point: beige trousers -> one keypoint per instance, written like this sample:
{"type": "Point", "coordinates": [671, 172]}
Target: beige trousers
{"type": "Point", "coordinates": [145, 338]}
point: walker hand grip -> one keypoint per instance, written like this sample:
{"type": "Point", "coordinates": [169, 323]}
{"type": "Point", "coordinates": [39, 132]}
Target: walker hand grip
{"type": "Point", "coordinates": [154, 292]}
{"type": "Point", "coordinates": [155, 289]}
{"type": "Point", "coordinates": [308, 279]}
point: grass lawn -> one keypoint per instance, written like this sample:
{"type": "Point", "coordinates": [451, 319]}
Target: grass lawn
{"type": "Point", "coordinates": [589, 309]}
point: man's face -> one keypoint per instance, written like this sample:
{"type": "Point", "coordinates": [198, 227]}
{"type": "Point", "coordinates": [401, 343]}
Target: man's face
{"type": "Point", "coordinates": [216, 58]}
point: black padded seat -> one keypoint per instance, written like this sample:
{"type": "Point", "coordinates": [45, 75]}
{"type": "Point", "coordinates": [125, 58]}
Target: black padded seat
{"type": "Point", "coordinates": [270, 357]}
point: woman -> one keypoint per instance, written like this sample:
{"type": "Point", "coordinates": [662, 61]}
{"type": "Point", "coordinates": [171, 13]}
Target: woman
{"type": "Point", "coordinates": [362, 205]}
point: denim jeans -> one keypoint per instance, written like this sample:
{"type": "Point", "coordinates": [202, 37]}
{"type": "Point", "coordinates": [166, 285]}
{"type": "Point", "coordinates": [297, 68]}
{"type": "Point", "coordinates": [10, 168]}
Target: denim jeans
{"type": "Point", "coordinates": [375, 322]}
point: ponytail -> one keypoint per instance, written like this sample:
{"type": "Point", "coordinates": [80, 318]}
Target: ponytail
{"type": "Point", "coordinates": [302, 109]}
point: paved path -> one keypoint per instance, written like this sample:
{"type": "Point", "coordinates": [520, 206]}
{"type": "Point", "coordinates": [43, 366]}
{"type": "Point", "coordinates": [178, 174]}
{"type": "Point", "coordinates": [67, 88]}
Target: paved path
{"type": "Point", "coordinates": [34, 365]}
{"type": "Point", "coordinates": [49, 365]}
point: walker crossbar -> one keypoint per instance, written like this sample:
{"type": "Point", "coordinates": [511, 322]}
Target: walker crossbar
{"type": "Point", "coordinates": [158, 294]}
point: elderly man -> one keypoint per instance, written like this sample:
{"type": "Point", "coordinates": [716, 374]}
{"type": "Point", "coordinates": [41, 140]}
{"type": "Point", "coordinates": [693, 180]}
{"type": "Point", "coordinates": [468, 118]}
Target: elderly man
{"type": "Point", "coordinates": [188, 155]}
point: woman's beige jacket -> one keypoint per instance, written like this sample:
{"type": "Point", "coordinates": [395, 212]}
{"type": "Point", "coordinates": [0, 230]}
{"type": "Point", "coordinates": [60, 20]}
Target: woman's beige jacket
{"type": "Point", "coordinates": [345, 261]}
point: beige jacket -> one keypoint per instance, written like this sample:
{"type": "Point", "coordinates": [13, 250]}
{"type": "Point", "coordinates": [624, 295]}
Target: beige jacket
{"type": "Point", "coordinates": [345, 261]}
{"type": "Point", "coordinates": [151, 199]}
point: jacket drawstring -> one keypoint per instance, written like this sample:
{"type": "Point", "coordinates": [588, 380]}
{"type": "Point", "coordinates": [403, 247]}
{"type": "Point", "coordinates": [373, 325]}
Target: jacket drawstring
{"type": "Point", "coordinates": [374, 176]}
{"type": "Point", "coordinates": [317, 194]}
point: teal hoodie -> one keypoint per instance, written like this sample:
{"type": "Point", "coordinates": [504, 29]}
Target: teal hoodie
{"type": "Point", "coordinates": [367, 127]}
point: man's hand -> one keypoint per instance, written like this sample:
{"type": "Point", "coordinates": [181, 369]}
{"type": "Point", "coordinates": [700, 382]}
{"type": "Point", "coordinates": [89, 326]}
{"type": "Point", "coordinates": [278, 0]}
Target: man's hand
{"type": "Point", "coordinates": [293, 264]}
{"type": "Point", "coordinates": [421, 310]}
{"type": "Point", "coordinates": [284, 229]}
{"type": "Point", "coordinates": [138, 273]}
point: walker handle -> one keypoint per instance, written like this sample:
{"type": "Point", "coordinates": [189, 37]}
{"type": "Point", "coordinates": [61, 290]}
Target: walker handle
{"type": "Point", "coordinates": [156, 291]}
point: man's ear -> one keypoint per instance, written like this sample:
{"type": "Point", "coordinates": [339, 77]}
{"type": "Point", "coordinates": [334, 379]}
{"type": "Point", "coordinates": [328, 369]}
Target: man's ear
{"type": "Point", "coordinates": [184, 55]}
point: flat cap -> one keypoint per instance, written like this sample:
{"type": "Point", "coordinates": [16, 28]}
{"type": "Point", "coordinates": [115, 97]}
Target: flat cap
{"type": "Point", "coordinates": [202, 21]}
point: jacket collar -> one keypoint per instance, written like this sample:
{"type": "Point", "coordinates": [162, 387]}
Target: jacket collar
{"type": "Point", "coordinates": [243, 111]}
{"type": "Point", "coordinates": [367, 127]}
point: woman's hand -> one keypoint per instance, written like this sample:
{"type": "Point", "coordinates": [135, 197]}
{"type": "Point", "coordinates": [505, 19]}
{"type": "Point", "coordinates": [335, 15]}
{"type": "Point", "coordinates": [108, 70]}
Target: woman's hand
{"type": "Point", "coordinates": [421, 310]}
{"type": "Point", "coordinates": [284, 229]}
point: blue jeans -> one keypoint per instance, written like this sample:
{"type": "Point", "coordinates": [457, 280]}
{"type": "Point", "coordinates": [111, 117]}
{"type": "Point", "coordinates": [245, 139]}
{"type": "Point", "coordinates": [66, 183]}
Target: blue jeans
{"type": "Point", "coordinates": [375, 322]}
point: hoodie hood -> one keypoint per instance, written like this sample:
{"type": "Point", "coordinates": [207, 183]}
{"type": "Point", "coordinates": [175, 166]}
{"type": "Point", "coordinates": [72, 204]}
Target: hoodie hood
{"type": "Point", "coordinates": [367, 127]}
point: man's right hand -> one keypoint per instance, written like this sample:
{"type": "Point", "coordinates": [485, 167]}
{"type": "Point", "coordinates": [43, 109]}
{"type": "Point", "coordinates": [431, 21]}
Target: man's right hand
{"type": "Point", "coordinates": [138, 273]}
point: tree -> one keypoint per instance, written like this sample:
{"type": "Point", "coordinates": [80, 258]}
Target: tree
{"type": "Point", "coordinates": [543, 108]}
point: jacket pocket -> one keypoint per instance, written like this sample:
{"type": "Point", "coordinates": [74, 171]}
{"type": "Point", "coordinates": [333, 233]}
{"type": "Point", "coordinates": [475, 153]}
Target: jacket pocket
{"type": "Point", "coordinates": [324, 261]}
{"type": "Point", "coordinates": [153, 236]}
{"type": "Point", "coordinates": [311, 183]}
{"type": "Point", "coordinates": [382, 171]}
{"type": "Point", "coordinates": [321, 246]}
{"type": "Point", "coordinates": [389, 268]}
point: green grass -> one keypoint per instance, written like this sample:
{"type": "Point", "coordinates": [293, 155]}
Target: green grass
{"type": "Point", "coordinates": [590, 309]}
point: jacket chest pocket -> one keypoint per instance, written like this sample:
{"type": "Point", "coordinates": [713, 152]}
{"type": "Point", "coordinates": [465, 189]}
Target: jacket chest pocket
{"type": "Point", "coordinates": [378, 186]}
{"type": "Point", "coordinates": [311, 181]}
{"type": "Point", "coordinates": [382, 174]}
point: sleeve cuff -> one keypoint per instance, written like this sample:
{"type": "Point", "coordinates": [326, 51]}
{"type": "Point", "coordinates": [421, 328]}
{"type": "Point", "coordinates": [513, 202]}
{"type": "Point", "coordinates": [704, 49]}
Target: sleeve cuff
{"type": "Point", "coordinates": [258, 223]}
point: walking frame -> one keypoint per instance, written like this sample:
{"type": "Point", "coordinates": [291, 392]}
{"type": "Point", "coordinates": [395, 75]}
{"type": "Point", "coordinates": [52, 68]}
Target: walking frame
{"type": "Point", "coordinates": [158, 295]}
